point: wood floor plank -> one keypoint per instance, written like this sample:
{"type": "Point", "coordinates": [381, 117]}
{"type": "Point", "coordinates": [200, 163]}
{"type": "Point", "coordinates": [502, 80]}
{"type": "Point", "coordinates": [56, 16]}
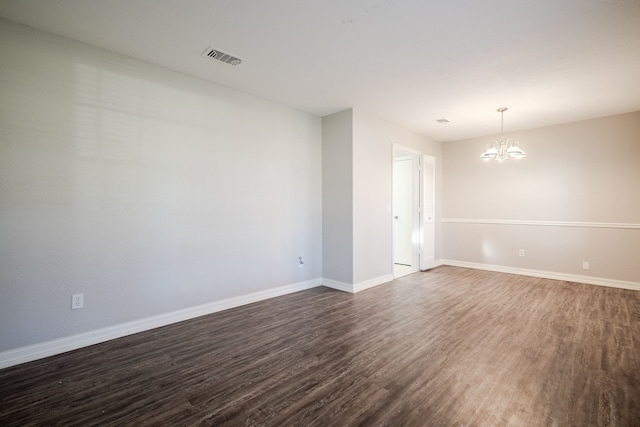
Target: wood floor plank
{"type": "Point", "coordinates": [451, 346]}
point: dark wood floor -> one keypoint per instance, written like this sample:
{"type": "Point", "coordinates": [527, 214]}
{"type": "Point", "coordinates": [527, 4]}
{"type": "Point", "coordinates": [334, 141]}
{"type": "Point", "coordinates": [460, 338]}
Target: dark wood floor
{"type": "Point", "coordinates": [448, 347]}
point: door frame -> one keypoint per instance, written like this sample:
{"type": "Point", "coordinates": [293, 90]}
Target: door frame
{"type": "Point", "coordinates": [427, 212]}
{"type": "Point", "coordinates": [416, 229]}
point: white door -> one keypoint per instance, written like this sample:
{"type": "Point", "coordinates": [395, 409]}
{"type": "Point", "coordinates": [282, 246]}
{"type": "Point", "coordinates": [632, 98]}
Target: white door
{"type": "Point", "coordinates": [428, 201]}
{"type": "Point", "coordinates": [402, 210]}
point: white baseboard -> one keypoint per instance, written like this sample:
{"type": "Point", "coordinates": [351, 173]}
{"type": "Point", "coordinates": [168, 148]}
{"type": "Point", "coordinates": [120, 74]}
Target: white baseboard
{"type": "Point", "coordinates": [376, 281]}
{"type": "Point", "coordinates": [357, 287]}
{"type": "Point", "coordinates": [340, 286]}
{"type": "Point", "coordinates": [590, 280]}
{"type": "Point", "coordinates": [62, 345]}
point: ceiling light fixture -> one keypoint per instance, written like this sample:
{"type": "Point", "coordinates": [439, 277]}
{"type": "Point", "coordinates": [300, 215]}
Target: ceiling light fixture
{"type": "Point", "coordinates": [501, 148]}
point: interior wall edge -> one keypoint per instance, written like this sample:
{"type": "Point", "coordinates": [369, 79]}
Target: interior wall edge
{"type": "Point", "coordinates": [370, 283]}
{"type": "Point", "coordinates": [589, 280]}
{"type": "Point", "coordinates": [37, 351]}
{"type": "Point", "coordinates": [337, 285]}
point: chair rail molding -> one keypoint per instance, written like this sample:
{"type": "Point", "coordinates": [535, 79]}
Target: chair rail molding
{"type": "Point", "coordinates": [624, 225]}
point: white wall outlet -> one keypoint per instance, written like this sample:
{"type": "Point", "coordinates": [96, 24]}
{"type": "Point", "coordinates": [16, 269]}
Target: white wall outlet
{"type": "Point", "coordinates": [585, 265]}
{"type": "Point", "coordinates": [300, 262]}
{"type": "Point", "coordinates": [77, 301]}
{"type": "Point", "coordinates": [521, 252]}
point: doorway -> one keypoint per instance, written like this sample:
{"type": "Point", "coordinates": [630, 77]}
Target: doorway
{"type": "Point", "coordinates": [406, 218]}
{"type": "Point", "coordinates": [413, 211]}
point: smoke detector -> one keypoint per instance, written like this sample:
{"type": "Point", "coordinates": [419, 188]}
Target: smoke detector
{"type": "Point", "coordinates": [442, 121]}
{"type": "Point", "coordinates": [218, 55]}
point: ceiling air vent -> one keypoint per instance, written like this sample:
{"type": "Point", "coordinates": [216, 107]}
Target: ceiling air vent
{"type": "Point", "coordinates": [218, 55]}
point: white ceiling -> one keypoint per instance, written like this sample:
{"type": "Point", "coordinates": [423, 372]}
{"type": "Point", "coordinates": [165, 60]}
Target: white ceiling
{"type": "Point", "coordinates": [407, 61]}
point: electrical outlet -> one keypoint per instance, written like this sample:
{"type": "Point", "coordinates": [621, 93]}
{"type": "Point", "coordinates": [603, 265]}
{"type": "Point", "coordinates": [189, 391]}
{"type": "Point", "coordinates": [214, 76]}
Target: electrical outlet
{"type": "Point", "coordinates": [300, 262]}
{"type": "Point", "coordinates": [585, 265]}
{"type": "Point", "coordinates": [521, 252]}
{"type": "Point", "coordinates": [77, 301]}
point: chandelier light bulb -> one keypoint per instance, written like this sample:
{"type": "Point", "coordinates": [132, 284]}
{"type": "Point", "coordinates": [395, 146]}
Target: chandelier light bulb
{"type": "Point", "coordinates": [501, 148]}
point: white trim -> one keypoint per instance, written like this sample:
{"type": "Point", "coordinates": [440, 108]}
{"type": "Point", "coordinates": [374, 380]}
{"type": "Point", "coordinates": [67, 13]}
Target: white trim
{"type": "Point", "coordinates": [62, 345]}
{"type": "Point", "coordinates": [406, 149]}
{"type": "Point", "coordinates": [433, 264]}
{"type": "Point", "coordinates": [376, 281]}
{"type": "Point", "coordinates": [340, 286]}
{"type": "Point", "coordinates": [544, 223]}
{"type": "Point", "coordinates": [73, 342]}
{"type": "Point", "coordinates": [357, 287]}
{"type": "Point", "coordinates": [415, 157]}
{"type": "Point", "coordinates": [600, 281]}
{"type": "Point", "coordinates": [427, 229]}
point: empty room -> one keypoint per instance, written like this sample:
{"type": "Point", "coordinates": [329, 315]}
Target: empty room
{"type": "Point", "coordinates": [337, 213]}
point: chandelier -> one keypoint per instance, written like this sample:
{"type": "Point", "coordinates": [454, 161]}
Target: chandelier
{"type": "Point", "coordinates": [501, 148]}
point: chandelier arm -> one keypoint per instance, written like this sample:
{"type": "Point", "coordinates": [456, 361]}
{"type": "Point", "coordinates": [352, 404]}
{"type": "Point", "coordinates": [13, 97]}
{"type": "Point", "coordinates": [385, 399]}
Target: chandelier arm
{"type": "Point", "coordinates": [503, 149]}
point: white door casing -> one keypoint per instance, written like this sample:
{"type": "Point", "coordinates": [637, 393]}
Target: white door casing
{"type": "Point", "coordinates": [428, 198]}
{"type": "Point", "coordinates": [402, 211]}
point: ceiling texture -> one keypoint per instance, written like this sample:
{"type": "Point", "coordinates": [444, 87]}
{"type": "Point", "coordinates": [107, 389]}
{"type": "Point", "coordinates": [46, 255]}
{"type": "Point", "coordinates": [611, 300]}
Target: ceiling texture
{"type": "Point", "coordinates": [410, 62]}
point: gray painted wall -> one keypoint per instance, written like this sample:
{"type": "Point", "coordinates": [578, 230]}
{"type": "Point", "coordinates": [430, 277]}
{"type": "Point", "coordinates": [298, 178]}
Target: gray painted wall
{"type": "Point", "coordinates": [585, 172]}
{"type": "Point", "coordinates": [372, 190]}
{"type": "Point", "coordinates": [337, 197]}
{"type": "Point", "coordinates": [152, 192]}
{"type": "Point", "coordinates": [357, 194]}
{"type": "Point", "coordinates": [146, 190]}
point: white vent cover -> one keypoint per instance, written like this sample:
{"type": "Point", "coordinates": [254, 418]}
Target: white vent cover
{"type": "Point", "coordinates": [218, 55]}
